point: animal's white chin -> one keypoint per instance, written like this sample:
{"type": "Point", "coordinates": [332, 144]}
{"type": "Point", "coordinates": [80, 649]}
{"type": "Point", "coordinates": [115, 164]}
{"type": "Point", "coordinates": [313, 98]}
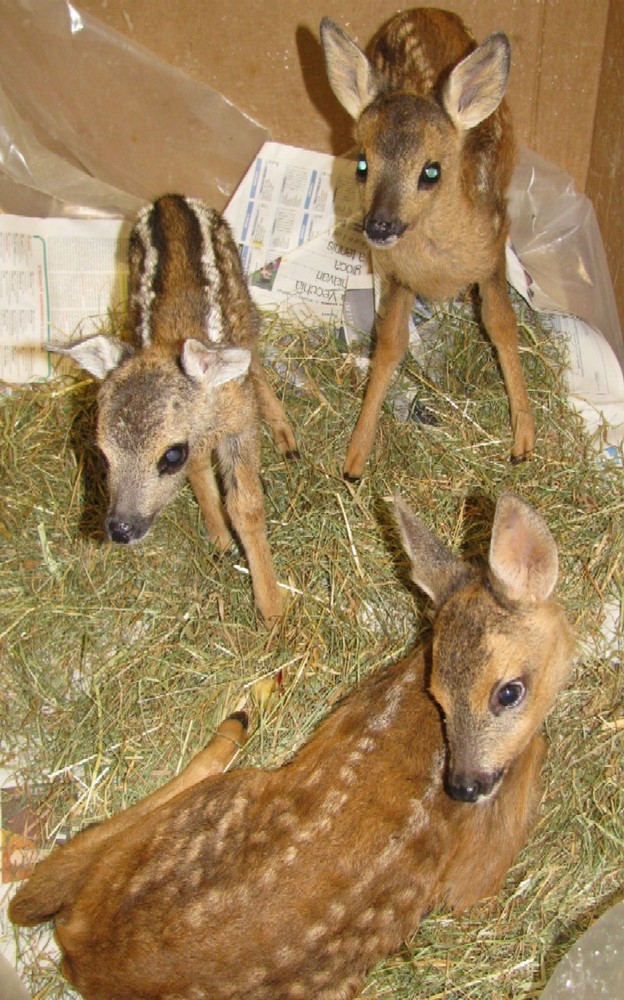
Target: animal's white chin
{"type": "Point", "coordinates": [384, 244]}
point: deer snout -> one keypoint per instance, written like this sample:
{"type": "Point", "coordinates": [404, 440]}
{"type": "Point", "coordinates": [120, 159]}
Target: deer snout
{"type": "Point", "coordinates": [124, 532]}
{"type": "Point", "coordinates": [472, 787]}
{"type": "Point", "coordinates": [382, 231]}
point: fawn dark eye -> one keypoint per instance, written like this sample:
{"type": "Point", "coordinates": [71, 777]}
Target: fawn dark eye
{"type": "Point", "coordinates": [361, 169]}
{"type": "Point", "coordinates": [173, 459]}
{"type": "Point", "coordinates": [508, 695]}
{"type": "Point", "coordinates": [429, 175]}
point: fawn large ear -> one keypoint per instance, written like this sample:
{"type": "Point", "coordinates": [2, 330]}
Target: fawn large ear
{"type": "Point", "coordinates": [434, 567]}
{"type": "Point", "coordinates": [98, 355]}
{"type": "Point", "coordinates": [353, 78]}
{"type": "Point", "coordinates": [477, 85]}
{"type": "Point", "coordinates": [213, 366]}
{"type": "Point", "coordinates": [523, 555]}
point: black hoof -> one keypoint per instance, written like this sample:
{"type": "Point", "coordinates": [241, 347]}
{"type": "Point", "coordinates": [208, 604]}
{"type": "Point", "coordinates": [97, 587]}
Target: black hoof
{"type": "Point", "coordinates": [350, 479]}
{"type": "Point", "coordinates": [292, 456]}
{"type": "Point", "coordinates": [240, 717]}
{"type": "Point", "coordinates": [518, 459]}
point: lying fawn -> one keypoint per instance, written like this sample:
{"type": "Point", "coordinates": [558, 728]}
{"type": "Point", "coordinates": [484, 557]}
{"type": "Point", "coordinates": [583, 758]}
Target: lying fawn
{"type": "Point", "coordinates": [291, 883]}
{"type": "Point", "coordinates": [436, 158]}
{"type": "Point", "coordinates": [188, 383]}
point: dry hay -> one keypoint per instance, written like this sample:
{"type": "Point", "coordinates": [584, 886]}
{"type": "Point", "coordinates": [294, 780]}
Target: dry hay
{"type": "Point", "coordinates": [119, 662]}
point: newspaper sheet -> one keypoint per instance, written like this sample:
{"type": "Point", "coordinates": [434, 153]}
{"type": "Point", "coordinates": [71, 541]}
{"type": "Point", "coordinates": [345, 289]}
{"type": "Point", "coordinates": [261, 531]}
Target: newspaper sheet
{"type": "Point", "coordinates": [59, 278]}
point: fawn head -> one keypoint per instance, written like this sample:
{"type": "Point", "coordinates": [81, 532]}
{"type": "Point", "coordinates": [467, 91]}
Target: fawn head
{"type": "Point", "coordinates": [152, 407]}
{"type": "Point", "coordinates": [501, 646]}
{"type": "Point", "coordinates": [411, 138]}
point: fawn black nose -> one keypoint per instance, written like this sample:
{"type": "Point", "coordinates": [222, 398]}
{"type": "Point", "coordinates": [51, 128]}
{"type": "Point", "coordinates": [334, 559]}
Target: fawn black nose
{"type": "Point", "coordinates": [470, 788]}
{"type": "Point", "coordinates": [380, 230]}
{"type": "Point", "coordinates": [119, 531]}
{"type": "Point", "coordinates": [124, 532]}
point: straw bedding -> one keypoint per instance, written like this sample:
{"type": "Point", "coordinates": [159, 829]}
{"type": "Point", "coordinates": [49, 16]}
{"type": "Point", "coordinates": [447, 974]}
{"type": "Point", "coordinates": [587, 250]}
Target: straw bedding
{"type": "Point", "coordinates": [118, 663]}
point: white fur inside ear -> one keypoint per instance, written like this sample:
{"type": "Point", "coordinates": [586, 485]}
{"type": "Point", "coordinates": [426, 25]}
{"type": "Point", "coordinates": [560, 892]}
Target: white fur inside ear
{"type": "Point", "coordinates": [523, 555]}
{"type": "Point", "coordinates": [477, 85]}
{"type": "Point", "coordinates": [214, 366]}
{"type": "Point", "coordinates": [435, 569]}
{"type": "Point", "coordinates": [352, 76]}
{"type": "Point", "coordinates": [98, 355]}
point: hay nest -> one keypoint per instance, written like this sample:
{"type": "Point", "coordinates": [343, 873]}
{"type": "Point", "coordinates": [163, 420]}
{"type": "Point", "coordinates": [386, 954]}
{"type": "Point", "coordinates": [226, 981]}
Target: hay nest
{"type": "Point", "coordinates": [118, 663]}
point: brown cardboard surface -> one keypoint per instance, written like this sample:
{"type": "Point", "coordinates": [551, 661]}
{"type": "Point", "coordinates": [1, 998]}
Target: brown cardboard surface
{"type": "Point", "coordinates": [605, 180]}
{"type": "Point", "coordinates": [264, 55]}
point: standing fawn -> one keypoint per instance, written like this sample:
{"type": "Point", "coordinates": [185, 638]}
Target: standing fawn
{"type": "Point", "coordinates": [418, 791]}
{"type": "Point", "coordinates": [436, 158]}
{"type": "Point", "coordinates": [189, 383]}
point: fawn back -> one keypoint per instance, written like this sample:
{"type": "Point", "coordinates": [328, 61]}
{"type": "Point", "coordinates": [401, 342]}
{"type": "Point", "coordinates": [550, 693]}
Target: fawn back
{"type": "Point", "coordinates": [185, 383]}
{"type": "Point", "coordinates": [293, 883]}
{"type": "Point", "coordinates": [436, 157]}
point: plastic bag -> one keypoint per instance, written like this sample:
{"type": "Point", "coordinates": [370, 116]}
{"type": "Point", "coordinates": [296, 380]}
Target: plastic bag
{"type": "Point", "coordinates": [555, 233]}
{"type": "Point", "coordinates": [92, 124]}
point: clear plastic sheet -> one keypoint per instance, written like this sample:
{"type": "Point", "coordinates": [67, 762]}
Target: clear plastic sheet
{"type": "Point", "coordinates": [11, 986]}
{"type": "Point", "coordinates": [92, 124]}
{"type": "Point", "coordinates": [593, 969]}
{"type": "Point", "coordinates": [556, 235]}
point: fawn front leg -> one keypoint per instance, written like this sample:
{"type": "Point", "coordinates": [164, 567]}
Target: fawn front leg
{"type": "Point", "coordinates": [272, 411]}
{"type": "Point", "coordinates": [500, 322]}
{"type": "Point", "coordinates": [392, 340]}
{"type": "Point", "coordinates": [239, 461]}
{"type": "Point", "coordinates": [202, 479]}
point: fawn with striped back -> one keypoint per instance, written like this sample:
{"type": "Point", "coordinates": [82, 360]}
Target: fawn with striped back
{"type": "Point", "coordinates": [436, 157]}
{"type": "Point", "coordinates": [187, 383]}
{"type": "Point", "coordinates": [417, 791]}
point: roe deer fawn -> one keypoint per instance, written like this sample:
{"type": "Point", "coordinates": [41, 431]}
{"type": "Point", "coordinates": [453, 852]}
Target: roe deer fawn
{"type": "Point", "coordinates": [291, 883]}
{"type": "Point", "coordinates": [436, 158]}
{"type": "Point", "coordinates": [188, 383]}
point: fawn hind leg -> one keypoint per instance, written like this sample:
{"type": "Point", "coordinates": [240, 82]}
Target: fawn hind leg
{"type": "Point", "coordinates": [239, 461]}
{"type": "Point", "coordinates": [392, 340]}
{"type": "Point", "coordinates": [500, 322]}
{"type": "Point", "coordinates": [213, 759]}
{"type": "Point", "coordinates": [56, 879]}
{"type": "Point", "coordinates": [272, 411]}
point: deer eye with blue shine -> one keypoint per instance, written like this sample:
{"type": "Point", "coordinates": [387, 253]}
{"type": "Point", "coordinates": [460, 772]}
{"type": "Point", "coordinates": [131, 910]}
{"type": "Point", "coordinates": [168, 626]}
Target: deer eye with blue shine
{"type": "Point", "coordinates": [508, 695]}
{"type": "Point", "coordinates": [429, 175]}
{"type": "Point", "coordinates": [361, 169]}
{"type": "Point", "coordinates": [173, 459]}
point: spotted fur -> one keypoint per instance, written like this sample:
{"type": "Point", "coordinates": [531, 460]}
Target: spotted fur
{"type": "Point", "coordinates": [292, 883]}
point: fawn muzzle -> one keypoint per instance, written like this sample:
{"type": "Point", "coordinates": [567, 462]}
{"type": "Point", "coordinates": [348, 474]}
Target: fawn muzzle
{"type": "Point", "coordinates": [472, 787]}
{"type": "Point", "coordinates": [125, 532]}
{"type": "Point", "coordinates": [381, 232]}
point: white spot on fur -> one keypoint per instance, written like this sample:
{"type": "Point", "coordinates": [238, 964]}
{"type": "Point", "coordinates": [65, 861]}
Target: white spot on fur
{"type": "Point", "coordinates": [290, 854]}
{"type": "Point", "coordinates": [336, 910]}
{"type": "Point", "coordinates": [316, 932]}
{"type": "Point", "coordinates": [383, 721]}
